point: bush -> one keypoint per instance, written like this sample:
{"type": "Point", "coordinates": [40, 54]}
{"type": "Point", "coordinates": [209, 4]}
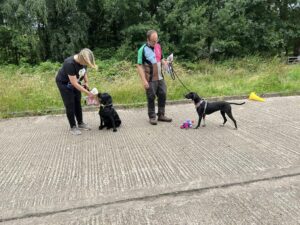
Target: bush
{"type": "Point", "coordinates": [104, 53]}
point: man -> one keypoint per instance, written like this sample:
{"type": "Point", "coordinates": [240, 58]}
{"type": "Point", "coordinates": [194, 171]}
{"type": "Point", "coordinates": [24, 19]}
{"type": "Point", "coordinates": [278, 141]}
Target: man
{"type": "Point", "coordinates": [149, 68]}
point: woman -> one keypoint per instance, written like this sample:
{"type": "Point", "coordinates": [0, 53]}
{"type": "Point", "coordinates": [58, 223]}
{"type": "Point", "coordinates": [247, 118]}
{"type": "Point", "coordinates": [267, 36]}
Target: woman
{"type": "Point", "coordinates": [68, 80]}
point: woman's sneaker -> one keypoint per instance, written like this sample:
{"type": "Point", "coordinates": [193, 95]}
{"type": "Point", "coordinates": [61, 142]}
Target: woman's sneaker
{"type": "Point", "coordinates": [75, 131]}
{"type": "Point", "coordinates": [84, 126]}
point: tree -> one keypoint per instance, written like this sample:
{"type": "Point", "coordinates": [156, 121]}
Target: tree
{"type": "Point", "coordinates": [38, 30]}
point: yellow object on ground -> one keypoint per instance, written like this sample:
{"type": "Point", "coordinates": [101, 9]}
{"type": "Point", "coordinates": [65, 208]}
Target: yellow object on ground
{"type": "Point", "coordinates": [254, 97]}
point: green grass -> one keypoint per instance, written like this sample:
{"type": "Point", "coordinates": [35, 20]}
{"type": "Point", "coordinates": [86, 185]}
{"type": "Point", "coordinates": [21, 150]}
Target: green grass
{"type": "Point", "coordinates": [26, 88]}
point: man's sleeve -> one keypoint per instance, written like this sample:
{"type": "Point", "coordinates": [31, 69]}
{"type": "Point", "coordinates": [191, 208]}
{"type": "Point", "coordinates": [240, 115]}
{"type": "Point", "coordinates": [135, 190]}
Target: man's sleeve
{"type": "Point", "coordinates": [140, 56]}
{"type": "Point", "coordinates": [150, 55]}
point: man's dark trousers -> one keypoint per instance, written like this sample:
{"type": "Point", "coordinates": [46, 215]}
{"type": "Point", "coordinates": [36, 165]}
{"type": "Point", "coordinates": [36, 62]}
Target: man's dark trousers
{"type": "Point", "coordinates": [156, 88]}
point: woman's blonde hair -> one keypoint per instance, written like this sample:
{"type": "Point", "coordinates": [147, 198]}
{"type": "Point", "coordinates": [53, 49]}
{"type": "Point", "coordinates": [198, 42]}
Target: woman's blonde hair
{"type": "Point", "coordinates": [87, 56]}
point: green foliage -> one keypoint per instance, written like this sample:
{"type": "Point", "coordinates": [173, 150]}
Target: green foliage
{"type": "Point", "coordinates": [32, 31]}
{"type": "Point", "coordinates": [104, 53]}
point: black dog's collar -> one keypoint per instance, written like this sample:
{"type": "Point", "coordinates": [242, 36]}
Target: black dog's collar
{"type": "Point", "coordinates": [199, 103]}
{"type": "Point", "coordinates": [107, 105]}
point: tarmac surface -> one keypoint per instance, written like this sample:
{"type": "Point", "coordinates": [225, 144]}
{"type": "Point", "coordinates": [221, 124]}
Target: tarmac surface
{"type": "Point", "coordinates": [162, 174]}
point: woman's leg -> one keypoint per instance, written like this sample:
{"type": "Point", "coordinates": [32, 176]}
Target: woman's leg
{"type": "Point", "coordinates": [68, 99]}
{"type": "Point", "coordinates": [78, 109]}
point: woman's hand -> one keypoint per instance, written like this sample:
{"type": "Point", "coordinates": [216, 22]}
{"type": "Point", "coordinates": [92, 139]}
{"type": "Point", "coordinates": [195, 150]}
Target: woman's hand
{"type": "Point", "coordinates": [86, 85]}
{"type": "Point", "coordinates": [91, 95]}
{"type": "Point", "coordinates": [75, 84]}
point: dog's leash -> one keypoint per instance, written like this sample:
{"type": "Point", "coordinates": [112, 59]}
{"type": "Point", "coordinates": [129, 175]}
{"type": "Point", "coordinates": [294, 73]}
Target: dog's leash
{"type": "Point", "coordinates": [173, 75]}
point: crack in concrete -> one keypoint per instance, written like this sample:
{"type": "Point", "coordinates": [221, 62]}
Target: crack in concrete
{"type": "Point", "coordinates": [148, 198]}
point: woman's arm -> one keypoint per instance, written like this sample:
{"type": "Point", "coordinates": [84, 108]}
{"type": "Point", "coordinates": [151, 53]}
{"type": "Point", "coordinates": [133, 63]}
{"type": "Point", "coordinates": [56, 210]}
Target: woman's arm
{"type": "Point", "coordinates": [86, 80]}
{"type": "Point", "coordinates": [75, 84]}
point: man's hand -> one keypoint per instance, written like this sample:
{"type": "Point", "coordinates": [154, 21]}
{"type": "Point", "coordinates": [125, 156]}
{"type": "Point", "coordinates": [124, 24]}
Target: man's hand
{"type": "Point", "coordinates": [142, 76]}
{"type": "Point", "coordinates": [146, 84]}
{"type": "Point", "coordinates": [164, 62]}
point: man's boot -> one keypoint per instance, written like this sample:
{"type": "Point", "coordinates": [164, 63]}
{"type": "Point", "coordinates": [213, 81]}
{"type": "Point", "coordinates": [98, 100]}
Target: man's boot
{"type": "Point", "coordinates": [153, 121]}
{"type": "Point", "coordinates": [163, 118]}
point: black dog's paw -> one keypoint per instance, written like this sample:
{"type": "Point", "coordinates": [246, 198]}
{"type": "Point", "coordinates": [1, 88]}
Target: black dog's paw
{"type": "Point", "coordinates": [101, 127]}
{"type": "Point", "coordinates": [114, 130]}
{"type": "Point", "coordinates": [196, 127]}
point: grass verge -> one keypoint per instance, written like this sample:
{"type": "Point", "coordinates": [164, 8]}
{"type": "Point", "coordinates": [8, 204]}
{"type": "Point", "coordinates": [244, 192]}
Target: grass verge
{"type": "Point", "coordinates": [33, 89]}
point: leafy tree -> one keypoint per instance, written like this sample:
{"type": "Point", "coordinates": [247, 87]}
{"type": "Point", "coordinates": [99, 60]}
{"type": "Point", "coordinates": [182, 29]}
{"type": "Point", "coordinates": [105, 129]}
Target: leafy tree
{"type": "Point", "coordinates": [38, 30]}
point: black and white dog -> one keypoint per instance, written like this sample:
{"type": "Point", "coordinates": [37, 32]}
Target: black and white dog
{"type": "Point", "coordinates": [205, 108]}
{"type": "Point", "coordinates": [109, 117]}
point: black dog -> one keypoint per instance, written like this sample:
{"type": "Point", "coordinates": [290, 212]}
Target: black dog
{"type": "Point", "coordinates": [109, 117]}
{"type": "Point", "coordinates": [205, 108]}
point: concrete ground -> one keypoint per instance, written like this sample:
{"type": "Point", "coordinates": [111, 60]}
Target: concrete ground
{"type": "Point", "coordinates": [160, 174]}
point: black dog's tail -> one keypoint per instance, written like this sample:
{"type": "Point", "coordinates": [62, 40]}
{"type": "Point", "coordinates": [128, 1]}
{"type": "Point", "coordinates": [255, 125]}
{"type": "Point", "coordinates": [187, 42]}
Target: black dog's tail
{"type": "Point", "coordinates": [233, 103]}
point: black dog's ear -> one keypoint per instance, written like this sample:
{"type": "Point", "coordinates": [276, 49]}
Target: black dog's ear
{"type": "Point", "coordinates": [194, 95]}
{"type": "Point", "coordinates": [109, 100]}
{"type": "Point", "coordinates": [99, 98]}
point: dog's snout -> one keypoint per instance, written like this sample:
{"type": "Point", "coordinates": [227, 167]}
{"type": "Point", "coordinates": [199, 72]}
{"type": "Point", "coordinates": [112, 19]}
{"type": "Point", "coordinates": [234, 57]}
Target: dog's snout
{"type": "Point", "coordinates": [186, 95]}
